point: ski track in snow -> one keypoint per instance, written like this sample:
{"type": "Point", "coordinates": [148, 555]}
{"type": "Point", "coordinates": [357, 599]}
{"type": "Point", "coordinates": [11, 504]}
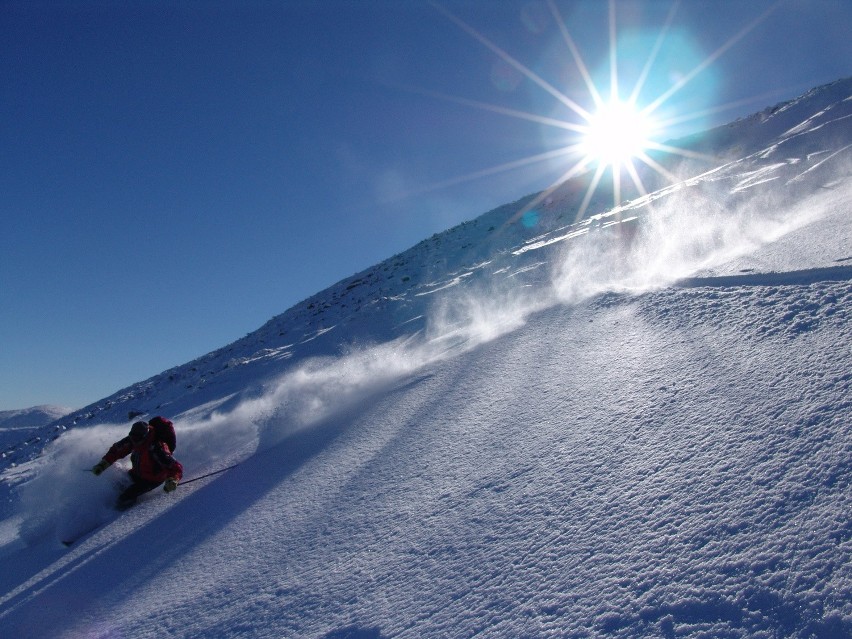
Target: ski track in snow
{"type": "Point", "coordinates": [621, 433]}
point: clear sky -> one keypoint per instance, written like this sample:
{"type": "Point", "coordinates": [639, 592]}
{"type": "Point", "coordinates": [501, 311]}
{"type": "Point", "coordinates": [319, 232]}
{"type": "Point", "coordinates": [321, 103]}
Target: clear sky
{"type": "Point", "coordinates": [174, 174]}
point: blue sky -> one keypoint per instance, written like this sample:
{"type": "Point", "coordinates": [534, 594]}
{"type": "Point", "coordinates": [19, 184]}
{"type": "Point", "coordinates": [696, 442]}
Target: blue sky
{"type": "Point", "coordinates": [174, 174]}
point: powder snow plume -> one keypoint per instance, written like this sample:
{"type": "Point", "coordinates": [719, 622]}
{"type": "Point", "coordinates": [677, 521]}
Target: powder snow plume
{"type": "Point", "coordinates": [693, 230]}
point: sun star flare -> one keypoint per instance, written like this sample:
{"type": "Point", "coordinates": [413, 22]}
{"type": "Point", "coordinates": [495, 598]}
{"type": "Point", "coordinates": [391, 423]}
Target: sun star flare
{"type": "Point", "coordinates": [617, 140]}
{"type": "Point", "coordinates": [616, 133]}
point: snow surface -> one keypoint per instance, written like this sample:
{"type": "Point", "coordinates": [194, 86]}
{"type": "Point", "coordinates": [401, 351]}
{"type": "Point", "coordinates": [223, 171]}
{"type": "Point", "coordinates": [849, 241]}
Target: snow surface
{"type": "Point", "coordinates": [631, 425]}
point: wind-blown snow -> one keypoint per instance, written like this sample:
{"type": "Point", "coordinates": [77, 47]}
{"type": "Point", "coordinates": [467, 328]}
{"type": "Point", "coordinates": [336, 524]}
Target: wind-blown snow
{"type": "Point", "coordinates": [635, 425]}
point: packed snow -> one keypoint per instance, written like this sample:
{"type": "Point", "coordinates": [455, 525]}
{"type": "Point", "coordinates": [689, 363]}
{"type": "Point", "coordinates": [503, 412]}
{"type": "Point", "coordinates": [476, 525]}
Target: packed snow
{"type": "Point", "coordinates": [630, 425]}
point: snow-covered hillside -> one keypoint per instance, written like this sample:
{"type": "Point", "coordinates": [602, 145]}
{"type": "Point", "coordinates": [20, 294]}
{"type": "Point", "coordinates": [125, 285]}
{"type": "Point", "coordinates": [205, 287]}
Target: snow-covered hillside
{"type": "Point", "coordinates": [631, 425]}
{"type": "Point", "coordinates": [34, 417]}
{"type": "Point", "coordinates": [17, 427]}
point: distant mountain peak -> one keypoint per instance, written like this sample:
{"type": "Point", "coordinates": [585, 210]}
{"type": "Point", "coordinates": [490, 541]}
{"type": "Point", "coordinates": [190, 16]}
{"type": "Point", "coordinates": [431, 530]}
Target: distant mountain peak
{"type": "Point", "coordinates": [34, 416]}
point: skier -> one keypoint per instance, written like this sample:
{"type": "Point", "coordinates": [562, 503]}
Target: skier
{"type": "Point", "coordinates": [152, 463]}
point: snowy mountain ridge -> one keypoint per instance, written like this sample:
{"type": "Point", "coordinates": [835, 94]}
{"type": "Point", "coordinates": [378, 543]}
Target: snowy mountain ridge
{"type": "Point", "coordinates": [24, 428]}
{"type": "Point", "coordinates": [32, 417]}
{"type": "Point", "coordinates": [634, 424]}
{"type": "Point", "coordinates": [398, 284]}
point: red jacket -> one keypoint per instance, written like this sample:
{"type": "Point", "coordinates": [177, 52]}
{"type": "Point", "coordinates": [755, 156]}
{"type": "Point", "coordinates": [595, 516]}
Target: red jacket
{"type": "Point", "coordinates": [151, 459]}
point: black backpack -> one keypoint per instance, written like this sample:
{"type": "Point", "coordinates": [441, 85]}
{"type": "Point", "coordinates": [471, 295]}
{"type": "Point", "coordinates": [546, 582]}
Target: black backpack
{"type": "Point", "coordinates": [165, 431]}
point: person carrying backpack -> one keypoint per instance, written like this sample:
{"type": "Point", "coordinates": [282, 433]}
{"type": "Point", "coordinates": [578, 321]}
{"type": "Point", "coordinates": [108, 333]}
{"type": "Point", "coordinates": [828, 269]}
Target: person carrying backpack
{"type": "Point", "coordinates": [151, 459]}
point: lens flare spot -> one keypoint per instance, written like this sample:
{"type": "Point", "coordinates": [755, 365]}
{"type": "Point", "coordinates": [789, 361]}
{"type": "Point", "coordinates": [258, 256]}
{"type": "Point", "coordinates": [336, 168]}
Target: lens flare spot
{"type": "Point", "coordinates": [530, 219]}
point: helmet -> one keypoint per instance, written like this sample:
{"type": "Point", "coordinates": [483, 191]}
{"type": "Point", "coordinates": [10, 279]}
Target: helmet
{"type": "Point", "coordinates": [138, 432]}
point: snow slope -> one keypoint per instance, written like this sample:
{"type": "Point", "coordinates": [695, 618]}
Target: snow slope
{"type": "Point", "coordinates": [31, 417]}
{"type": "Point", "coordinates": [18, 427]}
{"type": "Point", "coordinates": [632, 425]}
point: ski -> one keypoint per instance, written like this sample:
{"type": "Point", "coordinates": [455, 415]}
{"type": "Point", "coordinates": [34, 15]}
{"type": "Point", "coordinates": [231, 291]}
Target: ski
{"type": "Point", "coordinates": [74, 539]}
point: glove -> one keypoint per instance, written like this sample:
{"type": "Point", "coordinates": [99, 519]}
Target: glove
{"type": "Point", "coordinates": [100, 467]}
{"type": "Point", "coordinates": [171, 484]}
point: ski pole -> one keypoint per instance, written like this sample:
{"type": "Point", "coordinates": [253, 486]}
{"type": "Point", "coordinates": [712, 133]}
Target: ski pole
{"type": "Point", "coordinates": [215, 472]}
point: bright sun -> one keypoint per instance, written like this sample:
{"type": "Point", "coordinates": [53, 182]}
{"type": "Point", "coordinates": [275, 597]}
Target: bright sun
{"type": "Point", "coordinates": [615, 140]}
{"type": "Point", "coordinates": [616, 133]}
